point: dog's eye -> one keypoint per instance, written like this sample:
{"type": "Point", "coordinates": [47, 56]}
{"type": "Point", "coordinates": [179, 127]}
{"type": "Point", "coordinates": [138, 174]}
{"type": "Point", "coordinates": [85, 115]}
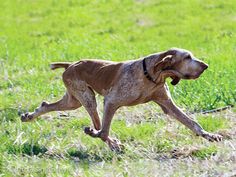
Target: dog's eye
{"type": "Point", "coordinates": [188, 57]}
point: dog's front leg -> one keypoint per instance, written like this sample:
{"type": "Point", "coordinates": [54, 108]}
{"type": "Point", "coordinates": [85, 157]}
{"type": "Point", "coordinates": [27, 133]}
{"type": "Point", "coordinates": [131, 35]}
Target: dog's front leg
{"type": "Point", "coordinates": [170, 108]}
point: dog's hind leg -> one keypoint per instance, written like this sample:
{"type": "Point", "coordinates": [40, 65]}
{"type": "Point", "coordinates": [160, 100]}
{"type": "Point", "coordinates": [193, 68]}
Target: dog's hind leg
{"type": "Point", "coordinates": [109, 111]}
{"type": "Point", "coordinates": [68, 102]}
{"type": "Point", "coordinates": [86, 96]}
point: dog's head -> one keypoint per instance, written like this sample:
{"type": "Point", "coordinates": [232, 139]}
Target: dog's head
{"type": "Point", "coordinates": [179, 64]}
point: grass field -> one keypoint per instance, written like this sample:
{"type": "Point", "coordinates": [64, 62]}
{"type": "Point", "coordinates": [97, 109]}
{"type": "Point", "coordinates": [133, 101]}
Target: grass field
{"type": "Point", "coordinates": [35, 33]}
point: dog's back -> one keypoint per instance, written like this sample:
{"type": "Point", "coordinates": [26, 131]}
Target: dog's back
{"type": "Point", "coordinates": [98, 74]}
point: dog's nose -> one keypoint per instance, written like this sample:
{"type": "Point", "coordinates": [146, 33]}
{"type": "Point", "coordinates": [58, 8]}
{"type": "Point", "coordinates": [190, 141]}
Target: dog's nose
{"type": "Point", "coordinates": [204, 65]}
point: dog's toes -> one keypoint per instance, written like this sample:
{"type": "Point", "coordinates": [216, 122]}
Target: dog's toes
{"type": "Point", "coordinates": [26, 117]}
{"type": "Point", "coordinates": [115, 145]}
{"type": "Point", "coordinates": [88, 130]}
{"type": "Point", "coordinates": [213, 137]}
{"type": "Point", "coordinates": [91, 131]}
{"type": "Point", "coordinates": [218, 137]}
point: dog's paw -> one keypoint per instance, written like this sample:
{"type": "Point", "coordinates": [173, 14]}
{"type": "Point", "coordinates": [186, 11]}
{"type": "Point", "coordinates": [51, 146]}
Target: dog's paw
{"type": "Point", "coordinates": [115, 145]}
{"type": "Point", "coordinates": [26, 117]}
{"type": "Point", "coordinates": [92, 132]}
{"type": "Point", "coordinates": [212, 137]}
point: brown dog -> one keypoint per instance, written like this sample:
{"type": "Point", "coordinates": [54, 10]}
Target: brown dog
{"type": "Point", "coordinates": [125, 84]}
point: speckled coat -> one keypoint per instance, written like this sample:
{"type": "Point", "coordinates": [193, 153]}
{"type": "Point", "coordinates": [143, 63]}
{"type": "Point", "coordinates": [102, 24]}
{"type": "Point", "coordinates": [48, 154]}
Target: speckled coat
{"type": "Point", "coordinates": [125, 84]}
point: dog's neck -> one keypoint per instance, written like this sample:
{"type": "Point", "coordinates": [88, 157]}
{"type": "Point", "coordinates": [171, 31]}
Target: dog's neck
{"type": "Point", "coordinates": [157, 77]}
{"type": "Point", "coordinates": [148, 64]}
{"type": "Point", "coordinates": [146, 73]}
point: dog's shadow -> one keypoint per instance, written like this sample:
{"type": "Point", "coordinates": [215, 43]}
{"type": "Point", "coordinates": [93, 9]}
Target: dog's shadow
{"type": "Point", "coordinates": [29, 149]}
{"type": "Point", "coordinates": [74, 154]}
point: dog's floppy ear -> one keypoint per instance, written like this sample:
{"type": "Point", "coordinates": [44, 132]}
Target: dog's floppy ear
{"type": "Point", "coordinates": [164, 63]}
{"type": "Point", "coordinates": [165, 60]}
{"type": "Point", "coordinates": [164, 66]}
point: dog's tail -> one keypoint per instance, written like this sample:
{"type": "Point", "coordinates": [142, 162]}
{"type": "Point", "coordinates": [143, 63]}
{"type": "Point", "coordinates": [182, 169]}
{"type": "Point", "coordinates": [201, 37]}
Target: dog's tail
{"type": "Point", "coordinates": [59, 65]}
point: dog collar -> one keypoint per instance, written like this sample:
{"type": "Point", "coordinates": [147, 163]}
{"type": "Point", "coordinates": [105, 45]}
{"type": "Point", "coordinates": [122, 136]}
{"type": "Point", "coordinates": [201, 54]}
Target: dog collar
{"type": "Point", "coordinates": [145, 72]}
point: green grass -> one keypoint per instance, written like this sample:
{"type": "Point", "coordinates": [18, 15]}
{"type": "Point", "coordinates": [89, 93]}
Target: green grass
{"type": "Point", "coordinates": [212, 123]}
{"type": "Point", "coordinates": [46, 143]}
{"type": "Point", "coordinates": [205, 152]}
{"type": "Point", "coordinates": [35, 33]}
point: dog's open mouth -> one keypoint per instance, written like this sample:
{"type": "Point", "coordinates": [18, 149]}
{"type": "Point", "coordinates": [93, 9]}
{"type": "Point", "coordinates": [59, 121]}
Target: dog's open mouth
{"type": "Point", "coordinates": [191, 77]}
{"type": "Point", "coordinates": [174, 75]}
{"type": "Point", "coordinates": [177, 76]}
{"type": "Point", "coordinates": [175, 80]}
